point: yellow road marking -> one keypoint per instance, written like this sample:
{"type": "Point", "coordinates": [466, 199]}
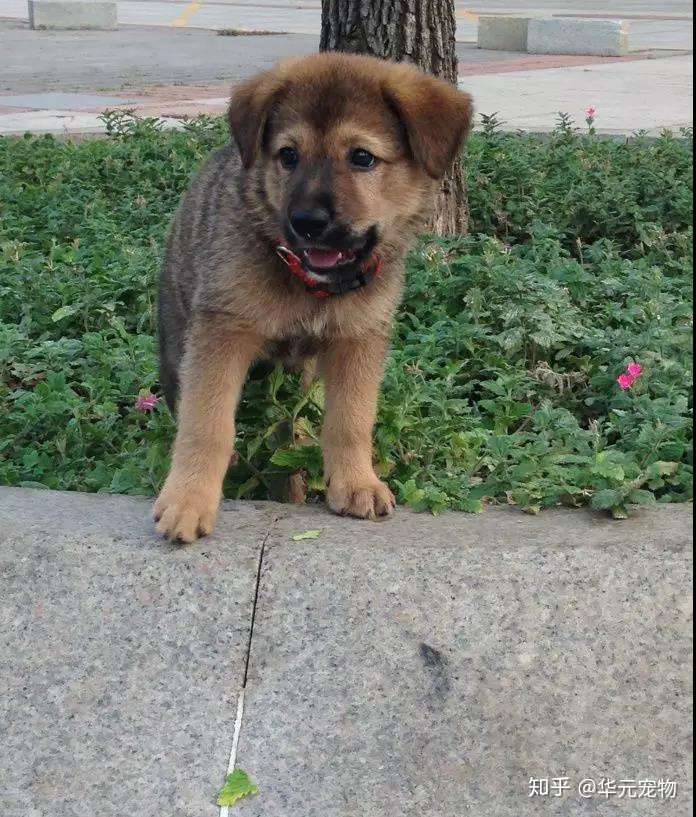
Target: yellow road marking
{"type": "Point", "coordinates": [186, 14]}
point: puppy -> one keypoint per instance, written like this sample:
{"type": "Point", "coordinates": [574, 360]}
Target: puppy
{"type": "Point", "coordinates": [290, 242]}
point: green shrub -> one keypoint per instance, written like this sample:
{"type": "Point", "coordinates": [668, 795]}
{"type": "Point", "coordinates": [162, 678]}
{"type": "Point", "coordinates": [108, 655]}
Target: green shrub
{"type": "Point", "coordinates": [502, 379]}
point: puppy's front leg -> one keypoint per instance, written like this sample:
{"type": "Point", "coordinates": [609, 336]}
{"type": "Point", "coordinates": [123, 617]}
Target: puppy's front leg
{"type": "Point", "coordinates": [213, 371]}
{"type": "Point", "coordinates": [352, 371]}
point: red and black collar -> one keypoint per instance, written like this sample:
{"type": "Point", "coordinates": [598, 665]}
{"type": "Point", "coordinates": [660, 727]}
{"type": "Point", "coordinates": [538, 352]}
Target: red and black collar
{"type": "Point", "coordinates": [324, 286]}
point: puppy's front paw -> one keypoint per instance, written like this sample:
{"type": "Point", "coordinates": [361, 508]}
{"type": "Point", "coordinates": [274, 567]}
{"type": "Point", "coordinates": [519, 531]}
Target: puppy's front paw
{"type": "Point", "coordinates": [184, 514]}
{"type": "Point", "coordinates": [366, 498]}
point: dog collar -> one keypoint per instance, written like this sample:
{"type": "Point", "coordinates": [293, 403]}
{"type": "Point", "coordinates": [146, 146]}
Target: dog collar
{"type": "Point", "coordinates": [324, 286]}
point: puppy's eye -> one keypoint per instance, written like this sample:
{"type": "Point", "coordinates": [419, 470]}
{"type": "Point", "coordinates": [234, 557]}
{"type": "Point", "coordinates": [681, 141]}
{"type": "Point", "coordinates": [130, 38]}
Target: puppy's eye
{"type": "Point", "coordinates": [288, 158]}
{"type": "Point", "coordinates": [361, 158]}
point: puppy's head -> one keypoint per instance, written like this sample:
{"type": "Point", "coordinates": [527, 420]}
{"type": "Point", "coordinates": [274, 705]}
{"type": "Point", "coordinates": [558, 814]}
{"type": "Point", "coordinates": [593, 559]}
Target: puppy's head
{"type": "Point", "coordinates": [343, 153]}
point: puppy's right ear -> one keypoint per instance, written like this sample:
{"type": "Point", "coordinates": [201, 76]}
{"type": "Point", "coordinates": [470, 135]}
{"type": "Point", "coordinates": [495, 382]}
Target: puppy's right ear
{"type": "Point", "coordinates": [250, 107]}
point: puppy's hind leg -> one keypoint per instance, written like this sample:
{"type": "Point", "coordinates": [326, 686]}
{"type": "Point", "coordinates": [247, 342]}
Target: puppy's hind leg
{"type": "Point", "coordinates": [169, 381]}
{"type": "Point", "coordinates": [309, 373]}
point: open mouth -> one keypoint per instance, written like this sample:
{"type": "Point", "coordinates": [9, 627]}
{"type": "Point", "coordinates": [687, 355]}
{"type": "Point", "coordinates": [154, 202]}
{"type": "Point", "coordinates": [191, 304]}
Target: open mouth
{"type": "Point", "coordinates": [332, 271]}
{"type": "Point", "coordinates": [327, 259]}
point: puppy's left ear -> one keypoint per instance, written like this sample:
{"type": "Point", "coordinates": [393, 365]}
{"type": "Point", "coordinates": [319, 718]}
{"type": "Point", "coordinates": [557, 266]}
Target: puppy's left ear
{"type": "Point", "coordinates": [435, 114]}
{"type": "Point", "coordinates": [250, 107]}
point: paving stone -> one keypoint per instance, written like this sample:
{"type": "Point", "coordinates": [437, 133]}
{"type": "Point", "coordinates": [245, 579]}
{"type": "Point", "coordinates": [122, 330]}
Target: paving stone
{"type": "Point", "coordinates": [604, 38]}
{"type": "Point", "coordinates": [432, 666]}
{"type": "Point", "coordinates": [121, 657]}
{"type": "Point", "coordinates": [500, 33]}
{"type": "Point", "coordinates": [72, 14]}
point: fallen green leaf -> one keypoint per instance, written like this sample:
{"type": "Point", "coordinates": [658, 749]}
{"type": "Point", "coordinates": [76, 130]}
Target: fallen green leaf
{"type": "Point", "coordinates": [237, 785]}
{"type": "Point", "coordinates": [308, 534]}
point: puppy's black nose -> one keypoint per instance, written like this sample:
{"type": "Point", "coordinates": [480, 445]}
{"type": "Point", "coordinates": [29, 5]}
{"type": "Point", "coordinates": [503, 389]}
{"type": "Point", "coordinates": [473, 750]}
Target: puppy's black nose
{"type": "Point", "coordinates": [309, 224]}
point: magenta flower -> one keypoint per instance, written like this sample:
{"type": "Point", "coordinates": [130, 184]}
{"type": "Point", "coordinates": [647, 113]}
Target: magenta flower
{"type": "Point", "coordinates": [629, 377]}
{"type": "Point", "coordinates": [146, 403]}
{"type": "Point", "coordinates": [591, 112]}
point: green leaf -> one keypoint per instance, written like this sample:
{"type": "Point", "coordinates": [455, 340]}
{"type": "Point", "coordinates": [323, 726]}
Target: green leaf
{"type": "Point", "coordinates": [605, 499]}
{"type": "Point", "coordinates": [609, 469]}
{"type": "Point", "coordinates": [410, 494]}
{"type": "Point", "coordinates": [237, 785]}
{"type": "Point", "coordinates": [64, 312]}
{"type": "Point", "coordinates": [641, 497]}
{"type": "Point", "coordinates": [247, 487]}
{"type": "Point", "coordinates": [317, 483]}
{"type": "Point", "coordinates": [470, 505]}
{"type": "Point", "coordinates": [672, 450]}
{"type": "Point", "coordinates": [301, 456]}
{"type": "Point", "coordinates": [662, 469]}
{"type": "Point", "coordinates": [308, 534]}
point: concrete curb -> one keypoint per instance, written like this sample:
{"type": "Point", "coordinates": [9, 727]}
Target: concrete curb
{"type": "Point", "coordinates": [72, 14]}
{"type": "Point", "coordinates": [503, 33]}
{"type": "Point", "coordinates": [586, 37]}
{"type": "Point", "coordinates": [442, 662]}
{"type": "Point", "coordinates": [602, 38]}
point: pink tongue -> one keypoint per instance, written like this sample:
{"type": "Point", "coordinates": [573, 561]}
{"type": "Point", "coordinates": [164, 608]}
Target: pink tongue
{"type": "Point", "coordinates": [323, 259]}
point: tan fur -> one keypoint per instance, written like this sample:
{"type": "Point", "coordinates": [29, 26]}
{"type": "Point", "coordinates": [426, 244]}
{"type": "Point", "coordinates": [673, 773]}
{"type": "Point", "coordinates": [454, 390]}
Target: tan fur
{"type": "Point", "coordinates": [212, 375]}
{"type": "Point", "coordinates": [226, 298]}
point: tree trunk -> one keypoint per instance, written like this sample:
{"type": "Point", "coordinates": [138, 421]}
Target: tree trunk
{"type": "Point", "coordinates": [417, 31]}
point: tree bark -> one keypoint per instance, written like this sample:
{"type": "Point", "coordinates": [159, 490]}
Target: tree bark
{"type": "Point", "coordinates": [417, 31]}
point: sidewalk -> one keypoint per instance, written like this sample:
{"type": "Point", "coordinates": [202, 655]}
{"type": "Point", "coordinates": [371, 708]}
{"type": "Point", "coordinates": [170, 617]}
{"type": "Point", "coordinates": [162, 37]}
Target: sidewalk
{"type": "Point", "coordinates": [174, 73]}
{"type": "Point", "coordinates": [428, 665]}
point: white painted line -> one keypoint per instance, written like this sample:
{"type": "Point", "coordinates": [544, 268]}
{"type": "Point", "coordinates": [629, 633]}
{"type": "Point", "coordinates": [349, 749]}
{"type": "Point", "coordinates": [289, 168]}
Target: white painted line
{"type": "Point", "coordinates": [225, 810]}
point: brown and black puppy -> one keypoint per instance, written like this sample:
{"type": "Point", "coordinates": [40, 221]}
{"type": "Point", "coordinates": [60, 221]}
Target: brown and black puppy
{"type": "Point", "coordinates": [291, 241]}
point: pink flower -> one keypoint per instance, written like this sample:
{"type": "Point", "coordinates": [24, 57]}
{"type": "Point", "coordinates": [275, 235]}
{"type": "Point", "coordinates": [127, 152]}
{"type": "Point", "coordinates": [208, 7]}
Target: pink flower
{"type": "Point", "coordinates": [146, 403]}
{"type": "Point", "coordinates": [629, 377]}
{"type": "Point", "coordinates": [591, 112]}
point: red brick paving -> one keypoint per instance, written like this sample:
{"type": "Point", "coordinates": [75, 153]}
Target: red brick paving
{"type": "Point", "coordinates": [537, 62]}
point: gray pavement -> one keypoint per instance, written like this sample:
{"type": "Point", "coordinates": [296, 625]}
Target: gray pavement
{"type": "Point", "coordinates": [429, 665]}
{"type": "Point", "coordinates": [134, 57]}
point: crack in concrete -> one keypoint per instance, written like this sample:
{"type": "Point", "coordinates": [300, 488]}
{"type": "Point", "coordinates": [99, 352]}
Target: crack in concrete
{"type": "Point", "coordinates": [239, 720]}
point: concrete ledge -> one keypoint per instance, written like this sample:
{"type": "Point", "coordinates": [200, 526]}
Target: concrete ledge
{"type": "Point", "coordinates": [602, 38]}
{"type": "Point", "coordinates": [503, 33]}
{"type": "Point", "coordinates": [72, 14]}
{"type": "Point", "coordinates": [442, 661]}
